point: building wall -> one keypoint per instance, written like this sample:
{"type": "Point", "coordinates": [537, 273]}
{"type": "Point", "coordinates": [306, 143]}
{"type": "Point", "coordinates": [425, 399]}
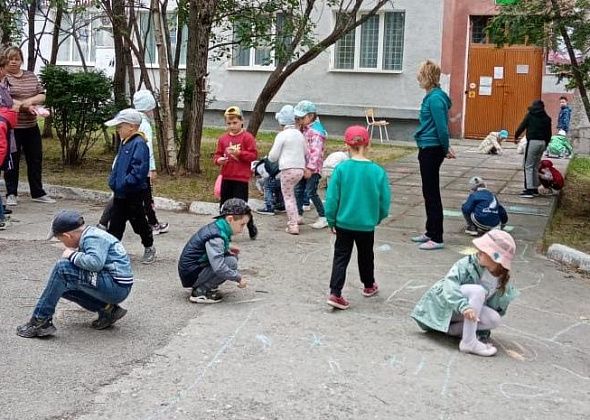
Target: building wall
{"type": "Point", "coordinates": [455, 44]}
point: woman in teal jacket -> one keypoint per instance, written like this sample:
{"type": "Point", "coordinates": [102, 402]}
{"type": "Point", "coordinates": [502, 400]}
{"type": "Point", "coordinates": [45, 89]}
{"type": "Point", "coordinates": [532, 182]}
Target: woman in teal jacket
{"type": "Point", "coordinates": [473, 295]}
{"type": "Point", "coordinates": [432, 139]}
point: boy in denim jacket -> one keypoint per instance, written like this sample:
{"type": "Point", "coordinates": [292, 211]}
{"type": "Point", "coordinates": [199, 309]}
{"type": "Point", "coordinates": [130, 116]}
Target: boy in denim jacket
{"type": "Point", "coordinates": [94, 271]}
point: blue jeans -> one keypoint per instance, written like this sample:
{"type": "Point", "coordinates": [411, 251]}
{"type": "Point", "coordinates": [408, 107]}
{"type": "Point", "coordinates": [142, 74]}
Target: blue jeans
{"type": "Point", "coordinates": [272, 194]}
{"type": "Point", "coordinates": [92, 291]}
{"type": "Point", "coordinates": [309, 187]}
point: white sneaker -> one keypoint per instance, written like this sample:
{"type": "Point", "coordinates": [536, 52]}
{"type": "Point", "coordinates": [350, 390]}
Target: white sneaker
{"type": "Point", "coordinates": [320, 223]}
{"type": "Point", "coordinates": [307, 208]}
{"type": "Point", "coordinates": [44, 199]}
{"type": "Point", "coordinates": [478, 348]}
{"type": "Point", "coordinates": [11, 200]}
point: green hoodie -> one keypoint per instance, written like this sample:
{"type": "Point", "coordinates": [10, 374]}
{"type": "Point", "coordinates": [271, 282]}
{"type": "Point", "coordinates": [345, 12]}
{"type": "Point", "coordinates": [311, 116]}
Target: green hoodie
{"type": "Point", "coordinates": [434, 120]}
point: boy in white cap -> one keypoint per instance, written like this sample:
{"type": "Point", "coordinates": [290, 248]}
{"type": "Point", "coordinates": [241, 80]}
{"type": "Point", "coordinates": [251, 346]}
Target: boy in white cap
{"type": "Point", "coordinates": [94, 271]}
{"type": "Point", "coordinates": [144, 102]}
{"type": "Point", "coordinates": [128, 180]}
{"type": "Point", "coordinates": [474, 294]}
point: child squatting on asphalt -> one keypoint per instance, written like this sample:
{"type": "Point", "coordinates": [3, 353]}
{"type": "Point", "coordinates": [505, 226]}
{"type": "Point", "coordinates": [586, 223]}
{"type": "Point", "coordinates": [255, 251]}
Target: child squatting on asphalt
{"type": "Point", "coordinates": [209, 259]}
{"type": "Point", "coordinates": [357, 200]}
{"type": "Point", "coordinates": [473, 295]}
{"type": "Point", "coordinates": [94, 271]}
{"type": "Point", "coordinates": [482, 210]}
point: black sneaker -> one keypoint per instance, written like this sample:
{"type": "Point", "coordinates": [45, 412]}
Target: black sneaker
{"type": "Point", "coordinates": [205, 296]}
{"type": "Point", "coordinates": [36, 327]}
{"type": "Point", "coordinates": [471, 230]}
{"type": "Point", "coordinates": [7, 210]}
{"type": "Point", "coordinates": [280, 210]}
{"type": "Point", "coordinates": [108, 316]}
{"type": "Point", "coordinates": [265, 211]}
{"type": "Point", "coordinates": [252, 231]}
{"type": "Point", "coordinates": [527, 194]}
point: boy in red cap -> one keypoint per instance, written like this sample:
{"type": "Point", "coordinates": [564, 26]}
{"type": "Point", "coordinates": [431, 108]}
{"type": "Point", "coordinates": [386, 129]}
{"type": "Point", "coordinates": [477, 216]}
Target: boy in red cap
{"type": "Point", "coordinates": [357, 200]}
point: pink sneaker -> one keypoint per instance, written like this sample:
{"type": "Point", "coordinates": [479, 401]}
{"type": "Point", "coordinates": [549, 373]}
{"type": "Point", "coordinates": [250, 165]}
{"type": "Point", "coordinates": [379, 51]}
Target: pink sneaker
{"type": "Point", "coordinates": [338, 302]}
{"type": "Point", "coordinates": [371, 291]}
{"type": "Point", "coordinates": [292, 230]}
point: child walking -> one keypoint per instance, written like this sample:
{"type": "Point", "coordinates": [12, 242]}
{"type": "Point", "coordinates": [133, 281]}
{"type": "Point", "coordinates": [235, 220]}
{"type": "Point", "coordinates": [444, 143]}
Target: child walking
{"type": "Point", "coordinates": [236, 150]}
{"type": "Point", "coordinates": [315, 134]}
{"type": "Point", "coordinates": [289, 150]}
{"type": "Point", "coordinates": [482, 210]}
{"type": "Point", "coordinates": [128, 180]}
{"type": "Point", "coordinates": [357, 200]}
{"type": "Point", "coordinates": [209, 259]}
{"type": "Point", "coordinates": [473, 295]}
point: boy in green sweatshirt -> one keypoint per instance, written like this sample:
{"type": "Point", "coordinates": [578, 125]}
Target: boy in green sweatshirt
{"type": "Point", "coordinates": [357, 200]}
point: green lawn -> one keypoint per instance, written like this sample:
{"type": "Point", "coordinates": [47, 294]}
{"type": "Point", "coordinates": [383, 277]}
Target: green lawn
{"type": "Point", "coordinates": [571, 223]}
{"type": "Point", "coordinates": [93, 172]}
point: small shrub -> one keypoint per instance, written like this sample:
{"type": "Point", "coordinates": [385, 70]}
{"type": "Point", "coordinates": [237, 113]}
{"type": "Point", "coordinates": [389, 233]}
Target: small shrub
{"type": "Point", "coordinates": [80, 103]}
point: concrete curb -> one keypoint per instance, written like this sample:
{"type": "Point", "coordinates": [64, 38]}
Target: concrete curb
{"type": "Point", "coordinates": [161, 203]}
{"type": "Point", "coordinates": [569, 256]}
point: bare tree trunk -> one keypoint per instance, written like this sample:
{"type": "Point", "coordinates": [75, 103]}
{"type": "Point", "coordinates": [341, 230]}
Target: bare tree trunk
{"type": "Point", "coordinates": [201, 16]}
{"type": "Point", "coordinates": [167, 121]}
{"type": "Point", "coordinates": [32, 9]}
{"type": "Point", "coordinates": [116, 12]}
{"type": "Point", "coordinates": [47, 128]}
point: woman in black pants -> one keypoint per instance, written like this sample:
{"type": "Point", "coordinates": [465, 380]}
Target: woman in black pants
{"type": "Point", "coordinates": [27, 93]}
{"type": "Point", "coordinates": [433, 143]}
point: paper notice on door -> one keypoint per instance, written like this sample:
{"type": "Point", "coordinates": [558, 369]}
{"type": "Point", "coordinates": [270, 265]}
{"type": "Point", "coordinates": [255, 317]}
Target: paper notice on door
{"type": "Point", "coordinates": [498, 73]}
{"type": "Point", "coordinates": [485, 86]}
{"type": "Point", "coordinates": [522, 69]}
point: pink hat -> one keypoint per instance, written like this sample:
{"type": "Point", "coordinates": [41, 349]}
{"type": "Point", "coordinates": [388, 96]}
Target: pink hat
{"type": "Point", "coordinates": [356, 135]}
{"type": "Point", "coordinates": [499, 245]}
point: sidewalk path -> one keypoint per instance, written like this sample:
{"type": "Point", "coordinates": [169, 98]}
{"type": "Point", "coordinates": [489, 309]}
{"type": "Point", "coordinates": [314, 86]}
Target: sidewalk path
{"type": "Point", "coordinates": [276, 351]}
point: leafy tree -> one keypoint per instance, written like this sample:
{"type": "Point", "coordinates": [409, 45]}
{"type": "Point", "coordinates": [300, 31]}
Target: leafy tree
{"type": "Point", "coordinates": [551, 23]}
{"type": "Point", "coordinates": [80, 103]}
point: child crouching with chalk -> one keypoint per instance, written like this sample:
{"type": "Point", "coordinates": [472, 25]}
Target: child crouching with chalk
{"type": "Point", "coordinates": [473, 295]}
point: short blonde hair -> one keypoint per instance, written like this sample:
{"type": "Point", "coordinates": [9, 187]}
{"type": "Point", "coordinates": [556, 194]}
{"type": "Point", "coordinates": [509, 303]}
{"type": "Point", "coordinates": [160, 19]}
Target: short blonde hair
{"type": "Point", "coordinates": [429, 75]}
{"type": "Point", "coordinates": [13, 51]}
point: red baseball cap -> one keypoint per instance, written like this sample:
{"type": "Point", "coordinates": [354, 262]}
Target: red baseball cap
{"type": "Point", "coordinates": [356, 135]}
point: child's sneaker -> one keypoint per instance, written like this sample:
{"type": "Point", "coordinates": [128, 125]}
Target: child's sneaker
{"type": "Point", "coordinates": [280, 210]}
{"type": "Point", "coordinates": [163, 227]}
{"type": "Point", "coordinates": [149, 255]}
{"type": "Point", "coordinates": [320, 223]}
{"type": "Point", "coordinates": [3, 225]}
{"type": "Point", "coordinates": [371, 291]}
{"type": "Point", "coordinates": [338, 302]}
{"type": "Point", "coordinates": [36, 327]}
{"type": "Point", "coordinates": [108, 316]}
{"type": "Point", "coordinates": [478, 348]}
{"type": "Point", "coordinates": [431, 245]}
{"type": "Point", "coordinates": [306, 207]}
{"type": "Point", "coordinates": [292, 230]}
{"type": "Point", "coordinates": [265, 211]}
{"type": "Point", "coordinates": [471, 230]}
{"type": "Point", "coordinates": [205, 296]}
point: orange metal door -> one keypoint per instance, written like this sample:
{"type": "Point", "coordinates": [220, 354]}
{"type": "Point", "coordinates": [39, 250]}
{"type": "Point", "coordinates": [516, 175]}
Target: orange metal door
{"type": "Point", "coordinates": [501, 84]}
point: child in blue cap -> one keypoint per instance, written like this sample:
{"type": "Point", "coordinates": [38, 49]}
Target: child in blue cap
{"type": "Point", "coordinates": [491, 145]}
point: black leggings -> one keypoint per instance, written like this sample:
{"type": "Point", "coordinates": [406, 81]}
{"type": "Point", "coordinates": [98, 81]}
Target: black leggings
{"type": "Point", "coordinates": [430, 159]}
{"type": "Point", "coordinates": [345, 240]}
{"type": "Point", "coordinates": [28, 141]}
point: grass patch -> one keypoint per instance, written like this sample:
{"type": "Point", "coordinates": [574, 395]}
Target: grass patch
{"type": "Point", "coordinates": [93, 172]}
{"type": "Point", "coordinates": [570, 224]}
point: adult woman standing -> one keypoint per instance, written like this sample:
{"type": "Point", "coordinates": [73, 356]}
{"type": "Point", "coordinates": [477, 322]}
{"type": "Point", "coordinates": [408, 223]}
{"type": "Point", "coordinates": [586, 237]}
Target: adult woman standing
{"type": "Point", "coordinates": [538, 133]}
{"type": "Point", "coordinates": [432, 138]}
{"type": "Point", "coordinates": [27, 93]}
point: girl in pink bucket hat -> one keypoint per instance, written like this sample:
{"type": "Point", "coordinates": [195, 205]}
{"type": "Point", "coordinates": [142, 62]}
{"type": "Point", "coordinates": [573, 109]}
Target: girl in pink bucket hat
{"type": "Point", "coordinates": [469, 301]}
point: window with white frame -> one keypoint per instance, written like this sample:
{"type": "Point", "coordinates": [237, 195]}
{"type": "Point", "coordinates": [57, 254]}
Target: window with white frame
{"type": "Point", "coordinates": [148, 39]}
{"type": "Point", "coordinates": [376, 45]}
{"type": "Point", "coordinates": [82, 33]}
{"type": "Point", "coordinates": [260, 56]}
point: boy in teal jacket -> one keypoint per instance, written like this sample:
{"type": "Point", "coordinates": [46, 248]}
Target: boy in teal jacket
{"type": "Point", "coordinates": [357, 200]}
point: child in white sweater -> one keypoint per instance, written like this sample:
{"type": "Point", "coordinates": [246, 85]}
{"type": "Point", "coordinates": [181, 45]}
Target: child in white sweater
{"type": "Point", "coordinates": [289, 149]}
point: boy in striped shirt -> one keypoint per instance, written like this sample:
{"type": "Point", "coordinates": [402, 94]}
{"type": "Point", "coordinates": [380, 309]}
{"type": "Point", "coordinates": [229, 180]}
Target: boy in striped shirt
{"type": "Point", "coordinates": [94, 271]}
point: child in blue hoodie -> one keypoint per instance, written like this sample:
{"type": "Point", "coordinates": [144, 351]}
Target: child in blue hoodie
{"type": "Point", "coordinates": [482, 210]}
{"type": "Point", "coordinates": [128, 180]}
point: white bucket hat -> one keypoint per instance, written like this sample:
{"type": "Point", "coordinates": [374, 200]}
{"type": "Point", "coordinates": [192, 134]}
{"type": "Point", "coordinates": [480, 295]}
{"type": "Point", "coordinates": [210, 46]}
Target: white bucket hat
{"type": "Point", "coordinates": [143, 100]}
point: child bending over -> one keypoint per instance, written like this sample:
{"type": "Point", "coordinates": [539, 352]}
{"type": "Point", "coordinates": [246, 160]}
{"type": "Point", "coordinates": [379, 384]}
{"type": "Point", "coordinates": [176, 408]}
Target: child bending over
{"type": "Point", "coordinates": [482, 210]}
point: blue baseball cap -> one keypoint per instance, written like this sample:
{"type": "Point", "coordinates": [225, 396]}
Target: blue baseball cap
{"type": "Point", "coordinates": [65, 221]}
{"type": "Point", "coordinates": [503, 134]}
{"type": "Point", "coordinates": [303, 108]}
{"type": "Point", "coordinates": [286, 116]}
